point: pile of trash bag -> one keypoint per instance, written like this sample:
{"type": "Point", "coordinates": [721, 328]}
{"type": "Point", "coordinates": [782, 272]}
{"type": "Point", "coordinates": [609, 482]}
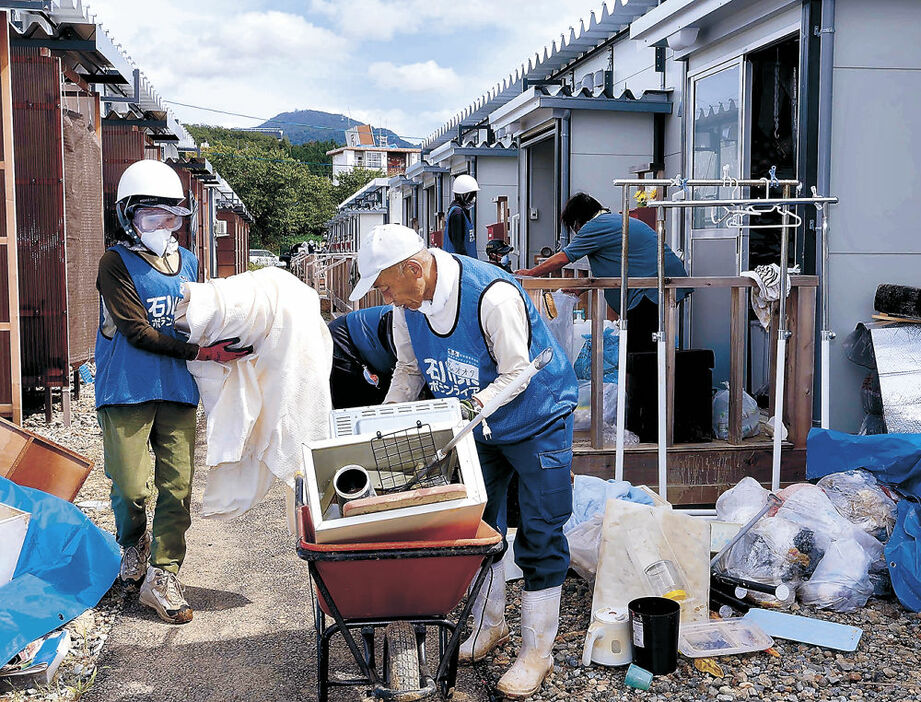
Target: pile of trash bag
{"type": "Point", "coordinates": [825, 541]}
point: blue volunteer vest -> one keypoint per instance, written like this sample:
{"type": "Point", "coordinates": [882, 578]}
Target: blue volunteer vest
{"type": "Point", "coordinates": [127, 375]}
{"type": "Point", "coordinates": [364, 331]}
{"type": "Point", "coordinates": [459, 364]}
{"type": "Point", "coordinates": [469, 240]}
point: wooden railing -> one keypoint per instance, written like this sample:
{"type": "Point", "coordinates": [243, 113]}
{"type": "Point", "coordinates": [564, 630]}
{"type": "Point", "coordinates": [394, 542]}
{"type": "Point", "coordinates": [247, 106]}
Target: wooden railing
{"type": "Point", "coordinates": [330, 276]}
{"type": "Point", "coordinates": [800, 360]}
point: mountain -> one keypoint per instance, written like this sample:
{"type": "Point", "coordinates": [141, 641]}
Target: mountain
{"type": "Point", "coordinates": [302, 126]}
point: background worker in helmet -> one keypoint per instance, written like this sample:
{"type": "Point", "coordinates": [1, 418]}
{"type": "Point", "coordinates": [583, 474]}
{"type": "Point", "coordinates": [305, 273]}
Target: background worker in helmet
{"type": "Point", "coordinates": [363, 357]}
{"type": "Point", "coordinates": [465, 329]}
{"type": "Point", "coordinates": [144, 392]}
{"type": "Point", "coordinates": [460, 236]}
{"type": "Point", "coordinates": [497, 252]}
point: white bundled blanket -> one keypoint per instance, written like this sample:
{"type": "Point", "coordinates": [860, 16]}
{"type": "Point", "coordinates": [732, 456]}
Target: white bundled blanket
{"type": "Point", "coordinates": [262, 408]}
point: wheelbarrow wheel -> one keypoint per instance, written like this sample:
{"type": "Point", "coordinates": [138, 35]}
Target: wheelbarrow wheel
{"type": "Point", "coordinates": [401, 656]}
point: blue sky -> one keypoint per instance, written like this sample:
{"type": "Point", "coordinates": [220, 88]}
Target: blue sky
{"type": "Point", "coordinates": [407, 65]}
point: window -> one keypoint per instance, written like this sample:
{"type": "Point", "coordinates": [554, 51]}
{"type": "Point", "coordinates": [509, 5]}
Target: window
{"type": "Point", "coordinates": [373, 159]}
{"type": "Point", "coordinates": [715, 137]}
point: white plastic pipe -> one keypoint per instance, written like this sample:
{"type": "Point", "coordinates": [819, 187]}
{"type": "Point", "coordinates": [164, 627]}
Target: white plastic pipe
{"type": "Point", "coordinates": [778, 409]}
{"type": "Point", "coordinates": [662, 448]}
{"type": "Point", "coordinates": [826, 379]}
{"type": "Point", "coordinates": [621, 400]}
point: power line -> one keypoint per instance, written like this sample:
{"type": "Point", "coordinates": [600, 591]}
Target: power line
{"type": "Point", "coordinates": [271, 119]}
{"type": "Point", "coordinates": [209, 152]}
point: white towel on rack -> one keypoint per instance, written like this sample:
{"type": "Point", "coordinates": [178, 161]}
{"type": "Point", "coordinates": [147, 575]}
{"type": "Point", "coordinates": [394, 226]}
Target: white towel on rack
{"type": "Point", "coordinates": [262, 408]}
{"type": "Point", "coordinates": [767, 292]}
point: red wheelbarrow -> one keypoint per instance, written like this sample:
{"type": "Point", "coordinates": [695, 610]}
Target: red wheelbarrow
{"type": "Point", "coordinates": [403, 588]}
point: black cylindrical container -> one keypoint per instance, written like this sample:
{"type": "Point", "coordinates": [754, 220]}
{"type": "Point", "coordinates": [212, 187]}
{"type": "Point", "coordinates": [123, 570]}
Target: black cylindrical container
{"type": "Point", "coordinates": [654, 624]}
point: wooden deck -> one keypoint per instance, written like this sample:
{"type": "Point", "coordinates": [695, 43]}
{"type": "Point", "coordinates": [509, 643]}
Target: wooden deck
{"type": "Point", "coordinates": [697, 473]}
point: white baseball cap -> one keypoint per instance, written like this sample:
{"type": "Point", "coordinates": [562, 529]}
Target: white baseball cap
{"type": "Point", "coordinates": [385, 246]}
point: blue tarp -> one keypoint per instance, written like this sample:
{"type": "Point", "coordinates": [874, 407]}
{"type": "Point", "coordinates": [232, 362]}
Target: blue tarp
{"type": "Point", "coordinates": [590, 496]}
{"type": "Point", "coordinates": [67, 564]}
{"type": "Point", "coordinates": [895, 459]}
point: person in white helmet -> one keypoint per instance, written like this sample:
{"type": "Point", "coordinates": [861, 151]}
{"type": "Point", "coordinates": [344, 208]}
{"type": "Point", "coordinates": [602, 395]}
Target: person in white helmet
{"type": "Point", "coordinates": [144, 392]}
{"type": "Point", "coordinates": [460, 236]}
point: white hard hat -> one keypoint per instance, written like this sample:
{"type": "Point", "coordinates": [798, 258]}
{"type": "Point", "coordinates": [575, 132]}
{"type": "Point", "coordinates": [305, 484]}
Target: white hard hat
{"type": "Point", "coordinates": [149, 178]}
{"type": "Point", "coordinates": [465, 184]}
{"type": "Point", "coordinates": [385, 246]}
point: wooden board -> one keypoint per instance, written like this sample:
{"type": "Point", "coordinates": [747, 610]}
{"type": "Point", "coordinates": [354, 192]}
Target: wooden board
{"type": "Point", "coordinates": [30, 460]}
{"type": "Point", "coordinates": [408, 498]}
{"type": "Point", "coordinates": [697, 473]}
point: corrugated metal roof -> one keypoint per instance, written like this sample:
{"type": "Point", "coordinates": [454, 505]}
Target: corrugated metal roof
{"type": "Point", "coordinates": [601, 27]}
{"type": "Point", "coordinates": [74, 15]}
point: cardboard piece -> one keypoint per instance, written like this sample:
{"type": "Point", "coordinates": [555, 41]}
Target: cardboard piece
{"type": "Point", "coordinates": [14, 524]}
{"type": "Point", "coordinates": [618, 580]}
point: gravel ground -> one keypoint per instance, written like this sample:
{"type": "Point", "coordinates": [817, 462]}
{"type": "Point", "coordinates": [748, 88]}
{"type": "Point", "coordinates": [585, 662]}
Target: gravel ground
{"type": "Point", "coordinates": [885, 666]}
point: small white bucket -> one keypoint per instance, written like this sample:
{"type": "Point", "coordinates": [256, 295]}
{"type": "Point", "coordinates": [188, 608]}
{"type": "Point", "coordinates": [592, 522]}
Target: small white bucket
{"type": "Point", "coordinates": [14, 524]}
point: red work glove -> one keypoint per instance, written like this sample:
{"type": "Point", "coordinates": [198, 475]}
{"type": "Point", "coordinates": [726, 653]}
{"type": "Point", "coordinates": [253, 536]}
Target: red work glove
{"type": "Point", "coordinates": [223, 351]}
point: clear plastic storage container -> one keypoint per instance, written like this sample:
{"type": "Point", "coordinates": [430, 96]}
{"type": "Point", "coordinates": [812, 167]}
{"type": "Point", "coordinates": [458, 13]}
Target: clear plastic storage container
{"type": "Point", "coordinates": [722, 637]}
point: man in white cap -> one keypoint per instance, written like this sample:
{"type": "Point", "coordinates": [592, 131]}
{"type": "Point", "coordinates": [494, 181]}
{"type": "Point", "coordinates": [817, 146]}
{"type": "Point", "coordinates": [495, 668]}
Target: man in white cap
{"type": "Point", "coordinates": [465, 328]}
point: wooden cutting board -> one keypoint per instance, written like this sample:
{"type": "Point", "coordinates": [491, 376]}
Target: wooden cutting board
{"type": "Point", "coordinates": [409, 498]}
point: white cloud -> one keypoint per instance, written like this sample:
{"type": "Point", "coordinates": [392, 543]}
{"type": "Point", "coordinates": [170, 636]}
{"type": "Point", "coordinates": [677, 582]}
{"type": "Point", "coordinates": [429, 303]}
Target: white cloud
{"type": "Point", "coordinates": [355, 57]}
{"type": "Point", "coordinates": [414, 77]}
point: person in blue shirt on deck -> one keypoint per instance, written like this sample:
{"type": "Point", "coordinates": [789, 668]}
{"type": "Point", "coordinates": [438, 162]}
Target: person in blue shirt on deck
{"type": "Point", "coordinates": [597, 235]}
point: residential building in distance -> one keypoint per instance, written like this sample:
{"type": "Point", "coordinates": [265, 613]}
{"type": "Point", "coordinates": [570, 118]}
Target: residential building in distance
{"type": "Point", "coordinates": [365, 150]}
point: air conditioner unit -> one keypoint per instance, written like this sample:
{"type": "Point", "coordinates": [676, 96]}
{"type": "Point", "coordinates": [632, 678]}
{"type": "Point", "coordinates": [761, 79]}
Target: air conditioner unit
{"type": "Point", "coordinates": [220, 227]}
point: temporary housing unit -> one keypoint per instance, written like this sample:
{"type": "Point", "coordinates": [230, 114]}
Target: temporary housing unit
{"type": "Point", "coordinates": [231, 232]}
{"type": "Point", "coordinates": [817, 91]}
{"type": "Point", "coordinates": [476, 152]}
{"type": "Point", "coordinates": [79, 114]}
{"type": "Point", "coordinates": [404, 199]}
{"type": "Point", "coordinates": [357, 215]}
{"type": "Point", "coordinates": [433, 195]}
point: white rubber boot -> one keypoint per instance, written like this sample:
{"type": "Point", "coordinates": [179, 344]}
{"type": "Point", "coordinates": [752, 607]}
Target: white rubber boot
{"type": "Point", "coordinates": [489, 627]}
{"type": "Point", "coordinates": [540, 620]}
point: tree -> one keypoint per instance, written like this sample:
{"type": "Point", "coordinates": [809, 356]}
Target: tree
{"type": "Point", "coordinates": [288, 189]}
{"type": "Point", "coordinates": [288, 202]}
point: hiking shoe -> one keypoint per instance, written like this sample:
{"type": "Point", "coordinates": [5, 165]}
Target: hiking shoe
{"type": "Point", "coordinates": [134, 562]}
{"type": "Point", "coordinates": [163, 592]}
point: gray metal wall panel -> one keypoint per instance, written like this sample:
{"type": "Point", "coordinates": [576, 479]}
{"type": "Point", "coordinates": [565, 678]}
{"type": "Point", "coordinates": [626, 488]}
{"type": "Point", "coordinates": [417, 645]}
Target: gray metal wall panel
{"type": "Point", "coordinates": [876, 132]}
{"type": "Point", "coordinates": [711, 309]}
{"type": "Point", "coordinates": [496, 176]}
{"type": "Point", "coordinates": [879, 34]}
{"type": "Point", "coordinates": [853, 281]}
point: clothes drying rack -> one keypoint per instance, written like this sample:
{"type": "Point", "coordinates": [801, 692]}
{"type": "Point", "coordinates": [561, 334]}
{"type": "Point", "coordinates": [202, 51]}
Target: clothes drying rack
{"type": "Point", "coordinates": [734, 210]}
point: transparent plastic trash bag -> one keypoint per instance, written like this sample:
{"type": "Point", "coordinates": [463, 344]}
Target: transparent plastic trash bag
{"type": "Point", "coordinates": [859, 499]}
{"type": "Point", "coordinates": [841, 581]}
{"type": "Point", "coordinates": [750, 415]}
